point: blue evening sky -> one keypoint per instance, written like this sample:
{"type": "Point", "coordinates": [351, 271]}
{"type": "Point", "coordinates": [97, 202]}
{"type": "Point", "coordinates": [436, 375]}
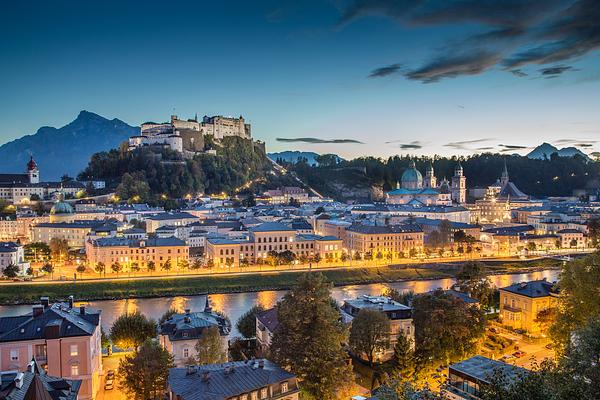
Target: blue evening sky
{"type": "Point", "coordinates": [294, 71]}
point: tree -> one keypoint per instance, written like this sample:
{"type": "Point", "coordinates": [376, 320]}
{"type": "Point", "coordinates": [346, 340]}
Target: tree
{"type": "Point", "coordinates": [81, 269]}
{"type": "Point", "coordinates": [116, 267]}
{"type": "Point", "coordinates": [286, 257]}
{"type": "Point", "coordinates": [196, 265]}
{"type": "Point", "coordinates": [309, 336]}
{"type": "Point", "coordinates": [594, 231]}
{"type": "Point", "coordinates": [151, 266]}
{"type": "Point", "coordinates": [133, 187]}
{"type": "Point", "coordinates": [166, 315]}
{"type": "Point", "coordinates": [572, 243]}
{"type": "Point", "coordinates": [317, 258]}
{"type": "Point", "coordinates": [545, 318]}
{"type": "Point", "coordinates": [134, 267]}
{"type": "Point", "coordinates": [369, 334]}
{"type": "Point", "coordinates": [183, 264]}
{"type": "Point", "coordinates": [36, 251]}
{"type": "Point", "coordinates": [403, 361]}
{"type": "Point", "coordinates": [144, 374]}
{"type": "Point", "coordinates": [446, 327]}
{"type": "Point", "coordinates": [166, 266]}
{"type": "Point", "coordinates": [48, 268]}
{"type": "Point", "coordinates": [100, 268]}
{"type": "Point", "coordinates": [472, 279]}
{"type": "Point", "coordinates": [10, 271]}
{"type": "Point", "coordinates": [344, 257]}
{"type": "Point", "coordinates": [209, 348]}
{"type": "Point", "coordinates": [131, 330]}
{"type": "Point", "coordinates": [531, 246]}
{"type": "Point", "coordinates": [246, 325]}
{"type": "Point", "coordinates": [105, 342]}
{"type": "Point", "coordinates": [58, 248]}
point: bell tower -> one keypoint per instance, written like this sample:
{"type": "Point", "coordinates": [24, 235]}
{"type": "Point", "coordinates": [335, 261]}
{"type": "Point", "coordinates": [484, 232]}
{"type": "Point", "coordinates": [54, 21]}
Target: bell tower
{"type": "Point", "coordinates": [459, 185]}
{"type": "Point", "coordinates": [32, 171]}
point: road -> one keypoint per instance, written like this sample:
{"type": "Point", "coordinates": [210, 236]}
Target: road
{"type": "Point", "coordinates": [109, 363]}
{"type": "Point", "coordinates": [90, 276]}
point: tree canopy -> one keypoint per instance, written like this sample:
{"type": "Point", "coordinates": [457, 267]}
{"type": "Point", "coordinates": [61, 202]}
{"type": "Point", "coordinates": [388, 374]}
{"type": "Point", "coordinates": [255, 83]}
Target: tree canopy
{"type": "Point", "coordinates": [369, 333]}
{"type": "Point", "coordinates": [308, 340]}
{"type": "Point", "coordinates": [209, 348]}
{"type": "Point", "coordinates": [246, 325]}
{"type": "Point", "coordinates": [131, 330]}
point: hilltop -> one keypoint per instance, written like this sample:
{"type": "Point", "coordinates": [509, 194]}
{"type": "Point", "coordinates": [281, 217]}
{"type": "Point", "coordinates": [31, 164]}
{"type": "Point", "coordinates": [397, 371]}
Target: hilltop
{"type": "Point", "coordinates": [545, 151]}
{"type": "Point", "coordinates": [65, 150]}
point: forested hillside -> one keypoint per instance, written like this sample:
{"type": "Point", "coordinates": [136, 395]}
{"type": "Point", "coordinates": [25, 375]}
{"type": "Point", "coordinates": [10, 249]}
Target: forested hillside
{"type": "Point", "coordinates": [152, 172]}
{"type": "Point", "coordinates": [557, 176]}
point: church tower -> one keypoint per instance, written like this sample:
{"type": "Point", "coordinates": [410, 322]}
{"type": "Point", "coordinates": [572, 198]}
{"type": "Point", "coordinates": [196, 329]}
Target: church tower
{"type": "Point", "coordinates": [459, 185]}
{"type": "Point", "coordinates": [430, 179]}
{"type": "Point", "coordinates": [32, 171]}
{"type": "Point", "coordinates": [504, 176]}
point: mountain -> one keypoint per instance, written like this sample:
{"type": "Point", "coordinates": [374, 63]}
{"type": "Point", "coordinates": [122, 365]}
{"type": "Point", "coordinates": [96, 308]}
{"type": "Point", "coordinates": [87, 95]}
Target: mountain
{"type": "Point", "coordinates": [294, 156]}
{"type": "Point", "coordinates": [65, 150]}
{"type": "Point", "coordinates": [545, 150]}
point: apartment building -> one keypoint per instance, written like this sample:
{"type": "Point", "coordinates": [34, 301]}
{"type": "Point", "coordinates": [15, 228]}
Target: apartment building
{"type": "Point", "coordinates": [154, 222]}
{"type": "Point", "coordinates": [395, 239]}
{"type": "Point", "coordinates": [141, 251]}
{"type": "Point", "coordinates": [64, 339]}
{"type": "Point", "coordinates": [75, 233]}
{"type": "Point", "coordinates": [241, 380]}
{"type": "Point", "coordinates": [520, 304]}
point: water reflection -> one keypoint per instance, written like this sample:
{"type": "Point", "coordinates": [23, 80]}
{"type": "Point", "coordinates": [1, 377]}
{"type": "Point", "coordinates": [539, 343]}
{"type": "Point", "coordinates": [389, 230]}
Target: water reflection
{"type": "Point", "coordinates": [236, 304]}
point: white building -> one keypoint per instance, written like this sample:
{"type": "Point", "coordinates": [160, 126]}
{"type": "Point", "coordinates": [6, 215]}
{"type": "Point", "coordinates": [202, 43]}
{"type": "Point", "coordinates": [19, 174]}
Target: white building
{"type": "Point", "coordinates": [12, 254]}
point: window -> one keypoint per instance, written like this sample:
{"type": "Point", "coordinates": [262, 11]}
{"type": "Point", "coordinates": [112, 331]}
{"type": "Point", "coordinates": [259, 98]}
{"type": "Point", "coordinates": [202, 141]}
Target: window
{"type": "Point", "coordinates": [284, 387]}
{"type": "Point", "coordinates": [74, 351]}
{"type": "Point", "coordinates": [186, 353]}
{"type": "Point", "coordinates": [263, 393]}
{"type": "Point", "coordinates": [14, 355]}
{"type": "Point", "coordinates": [74, 370]}
{"type": "Point", "coordinates": [254, 395]}
{"type": "Point", "coordinates": [40, 350]}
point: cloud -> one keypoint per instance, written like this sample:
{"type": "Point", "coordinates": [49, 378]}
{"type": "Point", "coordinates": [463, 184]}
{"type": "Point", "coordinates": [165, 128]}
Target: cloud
{"type": "Point", "coordinates": [584, 145]}
{"type": "Point", "coordinates": [415, 144]}
{"type": "Point", "coordinates": [485, 148]}
{"type": "Point", "coordinates": [514, 33]}
{"type": "Point", "coordinates": [464, 144]}
{"type": "Point", "coordinates": [555, 70]}
{"type": "Point", "coordinates": [595, 154]}
{"type": "Point", "coordinates": [512, 147]}
{"type": "Point", "coordinates": [451, 66]}
{"type": "Point", "coordinates": [519, 73]}
{"type": "Point", "coordinates": [385, 71]}
{"type": "Point", "coordinates": [317, 140]}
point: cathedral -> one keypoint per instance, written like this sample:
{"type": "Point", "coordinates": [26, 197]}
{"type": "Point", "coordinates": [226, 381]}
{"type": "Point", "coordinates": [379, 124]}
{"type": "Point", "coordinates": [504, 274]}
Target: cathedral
{"type": "Point", "coordinates": [417, 191]}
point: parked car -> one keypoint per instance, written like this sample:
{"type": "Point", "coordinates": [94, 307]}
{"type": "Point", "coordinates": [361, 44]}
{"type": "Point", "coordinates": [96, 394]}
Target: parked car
{"type": "Point", "coordinates": [109, 385]}
{"type": "Point", "coordinates": [507, 357]}
{"type": "Point", "coordinates": [493, 330]}
{"type": "Point", "coordinates": [549, 346]}
{"type": "Point", "coordinates": [110, 374]}
{"type": "Point", "coordinates": [519, 353]}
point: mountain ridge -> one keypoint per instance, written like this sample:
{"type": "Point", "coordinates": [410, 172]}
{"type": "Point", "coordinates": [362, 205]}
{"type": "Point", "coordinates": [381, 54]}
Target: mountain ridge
{"type": "Point", "coordinates": [64, 150]}
{"type": "Point", "coordinates": [545, 150]}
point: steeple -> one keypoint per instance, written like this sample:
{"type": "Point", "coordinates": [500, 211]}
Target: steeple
{"type": "Point", "coordinates": [430, 179]}
{"type": "Point", "coordinates": [207, 307]}
{"type": "Point", "coordinates": [504, 176]}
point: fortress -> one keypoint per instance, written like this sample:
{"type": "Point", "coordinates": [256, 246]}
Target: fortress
{"type": "Point", "coordinates": [188, 135]}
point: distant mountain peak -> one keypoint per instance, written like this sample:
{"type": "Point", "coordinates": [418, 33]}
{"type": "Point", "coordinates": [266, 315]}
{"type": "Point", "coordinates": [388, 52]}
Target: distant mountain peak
{"type": "Point", "coordinates": [545, 151]}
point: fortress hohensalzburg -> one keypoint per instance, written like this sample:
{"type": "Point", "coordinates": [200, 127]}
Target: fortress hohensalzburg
{"type": "Point", "coordinates": [188, 135]}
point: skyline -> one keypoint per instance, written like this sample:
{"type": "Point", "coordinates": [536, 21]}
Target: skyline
{"type": "Point", "coordinates": [373, 72]}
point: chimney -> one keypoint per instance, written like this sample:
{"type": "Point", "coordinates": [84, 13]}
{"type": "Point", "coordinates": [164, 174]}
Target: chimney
{"type": "Point", "coordinates": [205, 376]}
{"type": "Point", "coordinates": [82, 309]}
{"type": "Point", "coordinates": [38, 310]}
{"type": "Point", "coordinates": [19, 380]}
{"type": "Point", "coordinates": [45, 301]}
{"type": "Point", "coordinates": [187, 311]}
{"type": "Point", "coordinates": [261, 364]}
{"type": "Point", "coordinates": [71, 301]}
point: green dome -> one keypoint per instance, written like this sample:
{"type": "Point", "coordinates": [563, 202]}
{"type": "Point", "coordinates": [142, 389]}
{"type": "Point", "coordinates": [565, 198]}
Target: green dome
{"type": "Point", "coordinates": [412, 178]}
{"type": "Point", "coordinates": [61, 207]}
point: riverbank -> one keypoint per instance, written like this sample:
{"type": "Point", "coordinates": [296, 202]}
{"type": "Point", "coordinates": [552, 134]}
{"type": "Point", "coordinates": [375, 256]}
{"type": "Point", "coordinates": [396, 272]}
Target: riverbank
{"type": "Point", "coordinates": [17, 293]}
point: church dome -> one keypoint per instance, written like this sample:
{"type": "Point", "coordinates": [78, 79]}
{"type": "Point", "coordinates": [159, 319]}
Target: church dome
{"type": "Point", "coordinates": [61, 207]}
{"type": "Point", "coordinates": [412, 178]}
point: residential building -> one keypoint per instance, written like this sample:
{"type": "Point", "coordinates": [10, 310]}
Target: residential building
{"type": "Point", "coordinates": [180, 333]}
{"type": "Point", "coordinates": [64, 339]}
{"type": "Point", "coordinates": [266, 323]}
{"type": "Point", "coordinates": [12, 253]}
{"type": "Point", "coordinates": [400, 317]}
{"type": "Point", "coordinates": [35, 384]}
{"type": "Point", "coordinates": [126, 251]}
{"type": "Point", "coordinates": [75, 233]}
{"type": "Point", "coordinates": [520, 304]}
{"type": "Point", "coordinates": [171, 218]}
{"type": "Point", "coordinates": [8, 227]}
{"type": "Point", "coordinates": [373, 239]}
{"type": "Point", "coordinates": [467, 377]}
{"type": "Point", "coordinates": [241, 380]}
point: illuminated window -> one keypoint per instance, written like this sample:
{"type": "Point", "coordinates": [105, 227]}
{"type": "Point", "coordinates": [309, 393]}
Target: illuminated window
{"type": "Point", "coordinates": [74, 351]}
{"type": "Point", "coordinates": [74, 370]}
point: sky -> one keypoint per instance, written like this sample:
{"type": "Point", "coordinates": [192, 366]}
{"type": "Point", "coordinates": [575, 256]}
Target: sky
{"type": "Point", "coordinates": [352, 77]}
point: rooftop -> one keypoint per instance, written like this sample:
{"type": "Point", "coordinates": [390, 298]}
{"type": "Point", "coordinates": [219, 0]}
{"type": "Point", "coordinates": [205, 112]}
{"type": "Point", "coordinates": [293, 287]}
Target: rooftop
{"type": "Point", "coordinates": [482, 369]}
{"type": "Point", "coordinates": [540, 288]}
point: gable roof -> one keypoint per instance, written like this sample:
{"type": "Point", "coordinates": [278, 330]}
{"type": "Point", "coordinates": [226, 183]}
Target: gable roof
{"type": "Point", "coordinates": [269, 319]}
{"type": "Point", "coordinates": [539, 288]}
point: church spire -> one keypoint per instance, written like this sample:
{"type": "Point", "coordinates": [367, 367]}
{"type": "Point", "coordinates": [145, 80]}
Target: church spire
{"type": "Point", "coordinates": [504, 176]}
{"type": "Point", "coordinates": [207, 307]}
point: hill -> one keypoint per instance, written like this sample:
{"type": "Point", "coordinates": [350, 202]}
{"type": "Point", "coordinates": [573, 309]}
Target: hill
{"type": "Point", "coordinates": [65, 150]}
{"type": "Point", "coordinates": [545, 151]}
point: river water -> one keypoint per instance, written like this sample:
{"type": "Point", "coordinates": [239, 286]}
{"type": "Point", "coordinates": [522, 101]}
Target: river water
{"type": "Point", "coordinates": [236, 304]}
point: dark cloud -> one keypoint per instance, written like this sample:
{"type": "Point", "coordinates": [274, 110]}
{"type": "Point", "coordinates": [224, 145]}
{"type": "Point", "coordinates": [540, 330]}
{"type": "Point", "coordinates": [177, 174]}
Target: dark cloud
{"type": "Point", "coordinates": [484, 148]}
{"type": "Point", "coordinates": [573, 33]}
{"type": "Point", "coordinates": [451, 66]}
{"type": "Point", "coordinates": [575, 141]}
{"type": "Point", "coordinates": [512, 147]}
{"type": "Point", "coordinates": [515, 33]}
{"type": "Point", "coordinates": [595, 154]}
{"type": "Point", "coordinates": [317, 140]}
{"type": "Point", "coordinates": [555, 70]}
{"type": "Point", "coordinates": [385, 71]}
{"type": "Point", "coordinates": [465, 144]}
{"type": "Point", "coordinates": [584, 145]}
{"type": "Point", "coordinates": [519, 73]}
{"type": "Point", "coordinates": [415, 144]}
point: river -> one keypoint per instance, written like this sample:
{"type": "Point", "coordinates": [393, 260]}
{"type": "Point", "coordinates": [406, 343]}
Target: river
{"type": "Point", "coordinates": [236, 304]}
